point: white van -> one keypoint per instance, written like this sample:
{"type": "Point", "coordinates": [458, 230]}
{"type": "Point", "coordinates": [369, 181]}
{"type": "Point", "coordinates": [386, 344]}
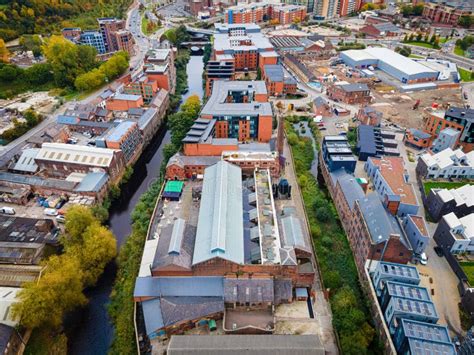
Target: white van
{"type": "Point", "coordinates": [7, 210]}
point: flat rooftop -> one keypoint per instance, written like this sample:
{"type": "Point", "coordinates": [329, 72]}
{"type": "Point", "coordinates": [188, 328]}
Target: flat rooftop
{"type": "Point", "coordinates": [217, 104]}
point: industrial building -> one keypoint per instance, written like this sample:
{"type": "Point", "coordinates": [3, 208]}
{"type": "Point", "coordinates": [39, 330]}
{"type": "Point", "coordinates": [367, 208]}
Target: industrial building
{"type": "Point", "coordinates": [220, 256]}
{"type": "Point", "coordinates": [404, 69]}
{"type": "Point", "coordinates": [350, 93]}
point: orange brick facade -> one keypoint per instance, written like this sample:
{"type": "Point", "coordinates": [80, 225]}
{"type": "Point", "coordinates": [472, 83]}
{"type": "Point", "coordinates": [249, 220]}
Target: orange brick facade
{"type": "Point", "coordinates": [115, 104]}
{"type": "Point", "coordinates": [257, 13]}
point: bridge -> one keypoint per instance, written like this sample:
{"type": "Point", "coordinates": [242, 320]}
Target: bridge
{"type": "Point", "coordinates": [202, 31]}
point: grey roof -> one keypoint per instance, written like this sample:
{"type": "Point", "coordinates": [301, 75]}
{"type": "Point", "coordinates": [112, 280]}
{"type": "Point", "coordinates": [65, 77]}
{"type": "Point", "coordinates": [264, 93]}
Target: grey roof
{"type": "Point", "coordinates": [293, 232]}
{"type": "Point", "coordinates": [200, 131]}
{"type": "Point", "coordinates": [426, 338]}
{"type": "Point", "coordinates": [177, 236]}
{"type": "Point", "coordinates": [408, 291]}
{"type": "Point", "coordinates": [419, 134]}
{"type": "Point", "coordinates": [378, 220]}
{"type": "Point", "coordinates": [288, 256]}
{"type": "Point", "coordinates": [26, 162]}
{"type": "Point", "coordinates": [283, 290]}
{"type": "Point", "coordinates": [255, 290]}
{"type": "Point", "coordinates": [366, 139]}
{"type": "Point", "coordinates": [183, 286]}
{"type": "Point", "coordinates": [217, 105]}
{"type": "Point", "coordinates": [386, 27]}
{"type": "Point", "coordinates": [6, 333]}
{"type": "Point", "coordinates": [320, 101]}
{"type": "Point", "coordinates": [308, 73]}
{"type": "Point", "coordinates": [220, 226]}
{"type": "Point", "coordinates": [286, 42]}
{"type": "Point", "coordinates": [126, 97]}
{"type": "Point", "coordinates": [350, 187]}
{"type": "Point", "coordinates": [403, 271]}
{"type": "Point", "coordinates": [461, 113]}
{"type": "Point", "coordinates": [136, 111]}
{"type": "Point", "coordinates": [423, 308]}
{"type": "Point", "coordinates": [92, 182]}
{"type": "Point", "coordinates": [245, 344]}
{"type": "Point", "coordinates": [354, 87]}
{"type": "Point", "coordinates": [187, 160]}
{"type": "Point", "coordinates": [147, 117]}
{"type": "Point", "coordinates": [274, 72]}
{"type": "Point", "coordinates": [37, 181]}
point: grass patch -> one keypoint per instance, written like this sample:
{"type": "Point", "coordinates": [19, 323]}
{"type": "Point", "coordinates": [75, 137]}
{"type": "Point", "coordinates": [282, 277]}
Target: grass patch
{"type": "Point", "coordinates": [42, 342]}
{"type": "Point", "coordinates": [468, 268]}
{"type": "Point", "coordinates": [465, 317]}
{"type": "Point", "coordinates": [416, 56]}
{"type": "Point", "coordinates": [351, 318]}
{"type": "Point", "coordinates": [459, 51]}
{"type": "Point", "coordinates": [420, 44]}
{"type": "Point", "coordinates": [466, 75]}
{"type": "Point", "coordinates": [428, 185]}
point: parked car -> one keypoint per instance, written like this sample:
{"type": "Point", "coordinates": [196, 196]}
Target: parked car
{"type": "Point", "coordinates": [439, 251]}
{"type": "Point", "coordinates": [423, 259]}
{"type": "Point", "coordinates": [321, 124]}
{"type": "Point", "coordinates": [51, 212]}
{"type": "Point", "coordinates": [7, 210]}
{"type": "Point", "coordinates": [60, 218]}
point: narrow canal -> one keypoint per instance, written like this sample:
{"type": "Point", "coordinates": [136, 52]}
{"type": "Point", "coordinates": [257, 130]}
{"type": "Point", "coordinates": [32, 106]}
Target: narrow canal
{"type": "Point", "coordinates": [89, 329]}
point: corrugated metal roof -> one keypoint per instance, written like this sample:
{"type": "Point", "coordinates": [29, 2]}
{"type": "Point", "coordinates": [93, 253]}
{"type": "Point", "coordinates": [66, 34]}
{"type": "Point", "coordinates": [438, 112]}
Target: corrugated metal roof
{"type": "Point", "coordinates": [220, 225]}
{"type": "Point", "coordinates": [177, 236]}
{"type": "Point", "coordinates": [26, 162]}
{"type": "Point", "coordinates": [248, 344]}
{"type": "Point", "coordinates": [92, 182]}
{"type": "Point", "coordinates": [292, 232]}
{"type": "Point", "coordinates": [174, 186]}
{"type": "Point", "coordinates": [202, 286]}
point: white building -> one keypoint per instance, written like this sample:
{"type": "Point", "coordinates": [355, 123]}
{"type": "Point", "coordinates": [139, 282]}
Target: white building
{"type": "Point", "coordinates": [446, 164]}
{"type": "Point", "coordinates": [447, 138]}
{"type": "Point", "coordinates": [462, 232]}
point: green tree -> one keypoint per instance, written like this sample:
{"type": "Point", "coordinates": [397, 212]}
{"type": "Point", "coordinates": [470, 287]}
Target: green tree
{"type": "Point", "coordinates": [411, 38]}
{"type": "Point", "coordinates": [97, 249]}
{"type": "Point", "coordinates": [9, 73]}
{"type": "Point", "coordinates": [433, 38]}
{"type": "Point", "coordinates": [90, 80]}
{"type": "Point", "coordinates": [419, 37]}
{"type": "Point", "coordinates": [466, 21]}
{"type": "Point", "coordinates": [44, 303]}
{"type": "Point", "coordinates": [418, 10]}
{"type": "Point", "coordinates": [323, 214]}
{"type": "Point", "coordinates": [38, 74]}
{"type": "Point", "coordinates": [78, 219]}
{"type": "Point", "coordinates": [179, 123]}
{"type": "Point", "coordinates": [115, 66]}
{"type": "Point", "coordinates": [31, 43]}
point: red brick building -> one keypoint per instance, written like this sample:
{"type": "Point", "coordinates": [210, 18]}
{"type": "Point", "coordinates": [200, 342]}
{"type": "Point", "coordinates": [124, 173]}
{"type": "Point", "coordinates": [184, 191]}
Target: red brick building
{"type": "Point", "coordinates": [283, 14]}
{"type": "Point", "coordinates": [350, 93]}
{"type": "Point", "coordinates": [276, 82]}
{"type": "Point", "coordinates": [446, 13]}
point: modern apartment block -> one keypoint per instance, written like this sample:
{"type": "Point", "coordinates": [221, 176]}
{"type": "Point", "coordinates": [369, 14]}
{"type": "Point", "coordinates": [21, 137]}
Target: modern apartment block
{"type": "Point", "coordinates": [244, 44]}
{"type": "Point", "coordinates": [94, 39]}
{"type": "Point", "coordinates": [240, 110]}
{"type": "Point", "coordinates": [390, 180]}
{"type": "Point", "coordinates": [440, 202]}
{"type": "Point", "coordinates": [374, 142]}
{"type": "Point", "coordinates": [337, 153]}
{"type": "Point", "coordinates": [447, 164]}
{"type": "Point", "coordinates": [159, 66]}
{"type": "Point", "coordinates": [414, 337]}
{"type": "Point", "coordinates": [347, 7]}
{"type": "Point", "coordinates": [456, 234]}
{"type": "Point", "coordinates": [417, 233]}
{"type": "Point", "coordinates": [265, 11]}
{"type": "Point", "coordinates": [143, 86]}
{"type": "Point", "coordinates": [109, 26]}
{"type": "Point", "coordinates": [447, 13]}
{"type": "Point", "coordinates": [447, 138]}
{"type": "Point", "coordinates": [392, 272]}
{"type": "Point", "coordinates": [218, 70]}
{"type": "Point", "coordinates": [457, 118]}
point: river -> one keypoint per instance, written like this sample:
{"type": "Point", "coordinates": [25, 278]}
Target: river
{"type": "Point", "coordinates": [89, 329]}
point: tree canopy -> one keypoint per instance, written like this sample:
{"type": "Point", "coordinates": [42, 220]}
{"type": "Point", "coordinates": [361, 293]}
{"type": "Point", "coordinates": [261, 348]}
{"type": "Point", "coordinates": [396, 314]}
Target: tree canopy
{"type": "Point", "coordinates": [88, 247]}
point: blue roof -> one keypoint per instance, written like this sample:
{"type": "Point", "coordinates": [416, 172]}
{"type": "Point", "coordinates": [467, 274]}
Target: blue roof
{"type": "Point", "coordinates": [398, 270]}
{"type": "Point", "coordinates": [152, 315]}
{"type": "Point", "coordinates": [293, 232]}
{"type": "Point", "coordinates": [401, 289]}
{"type": "Point", "coordinates": [427, 338]}
{"type": "Point", "coordinates": [93, 182]}
{"type": "Point", "coordinates": [366, 140]}
{"type": "Point", "coordinates": [202, 286]}
{"type": "Point", "coordinates": [301, 292]}
{"type": "Point", "coordinates": [63, 119]}
{"type": "Point", "coordinates": [416, 307]}
{"type": "Point", "coordinates": [116, 133]}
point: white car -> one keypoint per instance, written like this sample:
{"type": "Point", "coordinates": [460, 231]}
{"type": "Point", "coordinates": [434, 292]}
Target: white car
{"type": "Point", "coordinates": [7, 210]}
{"type": "Point", "coordinates": [60, 218]}
{"type": "Point", "coordinates": [51, 212]}
{"type": "Point", "coordinates": [423, 259]}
